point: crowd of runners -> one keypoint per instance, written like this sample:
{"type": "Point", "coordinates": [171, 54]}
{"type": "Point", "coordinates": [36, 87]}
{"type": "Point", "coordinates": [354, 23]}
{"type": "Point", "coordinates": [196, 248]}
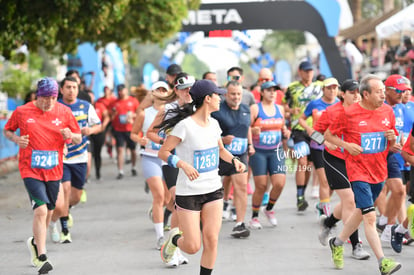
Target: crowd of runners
{"type": "Point", "coordinates": [200, 144]}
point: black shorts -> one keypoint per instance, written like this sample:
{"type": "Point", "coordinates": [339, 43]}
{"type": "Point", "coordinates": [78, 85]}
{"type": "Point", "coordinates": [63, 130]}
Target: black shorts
{"type": "Point", "coordinates": [405, 176]}
{"type": "Point", "coordinates": [75, 173]}
{"type": "Point", "coordinates": [196, 202]}
{"type": "Point", "coordinates": [124, 137]}
{"type": "Point", "coordinates": [335, 171]}
{"type": "Point", "coordinates": [227, 169]}
{"type": "Point", "coordinates": [317, 158]}
{"type": "Point", "coordinates": [42, 192]}
{"type": "Point", "coordinates": [170, 175]}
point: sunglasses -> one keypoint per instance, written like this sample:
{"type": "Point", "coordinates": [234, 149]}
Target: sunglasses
{"type": "Point", "coordinates": [397, 90]}
{"type": "Point", "coordinates": [185, 80]}
{"type": "Point", "coordinates": [234, 77]}
{"type": "Point", "coordinates": [265, 79]}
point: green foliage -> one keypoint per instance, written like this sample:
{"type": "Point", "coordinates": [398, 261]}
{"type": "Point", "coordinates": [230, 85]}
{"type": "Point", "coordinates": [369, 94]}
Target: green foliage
{"type": "Point", "coordinates": [60, 25]}
{"type": "Point", "coordinates": [194, 66]}
{"type": "Point", "coordinates": [17, 82]}
{"type": "Point", "coordinates": [282, 44]}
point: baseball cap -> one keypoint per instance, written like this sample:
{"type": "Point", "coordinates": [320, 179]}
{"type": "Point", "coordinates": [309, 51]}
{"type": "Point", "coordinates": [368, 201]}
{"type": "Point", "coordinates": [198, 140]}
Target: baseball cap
{"type": "Point", "coordinates": [204, 87]}
{"type": "Point", "coordinates": [269, 84]}
{"type": "Point", "coordinates": [184, 82]}
{"type": "Point", "coordinates": [47, 87]}
{"type": "Point", "coordinates": [159, 84]}
{"type": "Point", "coordinates": [349, 85]}
{"type": "Point", "coordinates": [305, 66]}
{"type": "Point", "coordinates": [174, 69]}
{"type": "Point", "coordinates": [330, 81]}
{"type": "Point", "coordinates": [398, 82]}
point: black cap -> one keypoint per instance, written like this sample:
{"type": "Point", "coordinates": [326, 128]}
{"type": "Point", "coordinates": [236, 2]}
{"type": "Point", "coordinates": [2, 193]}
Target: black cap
{"type": "Point", "coordinates": [204, 87]}
{"type": "Point", "coordinates": [174, 69]}
{"type": "Point", "coordinates": [349, 85]}
{"type": "Point", "coordinates": [305, 66]}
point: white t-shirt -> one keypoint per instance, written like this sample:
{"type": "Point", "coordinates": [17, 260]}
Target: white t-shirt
{"type": "Point", "coordinates": [152, 148]}
{"type": "Point", "coordinates": [198, 147]}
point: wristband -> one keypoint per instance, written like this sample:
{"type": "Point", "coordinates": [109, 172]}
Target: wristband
{"type": "Point", "coordinates": [173, 160]}
{"type": "Point", "coordinates": [234, 158]}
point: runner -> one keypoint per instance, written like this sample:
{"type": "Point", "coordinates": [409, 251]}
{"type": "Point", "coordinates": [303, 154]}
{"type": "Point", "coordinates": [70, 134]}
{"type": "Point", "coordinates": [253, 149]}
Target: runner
{"type": "Point", "coordinates": [335, 170]}
{"type": "Point", "coordinates": [40, 160]}
{"type": "Point", "coordinates": [75, 161]}
{"type": "Point", "coordinates": [368, 130]}
{"type": "Point", "coordinates": [315, 109]}
{"type": "Point", "coordinates": [234, 120]}
{"type": "Point", "coordinates": [196, 138]}
{"type": "Point", "coordinates": [268, 126]}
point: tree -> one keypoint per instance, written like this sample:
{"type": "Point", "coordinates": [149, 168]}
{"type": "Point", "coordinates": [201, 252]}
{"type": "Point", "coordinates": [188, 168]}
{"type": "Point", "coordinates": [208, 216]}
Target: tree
{"type": "Point", "coordinates": [60, 25]}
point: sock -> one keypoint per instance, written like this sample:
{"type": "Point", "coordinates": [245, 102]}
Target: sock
{"type": "Point", "coordinates": [382, 220]}
{"type": "Point", "coordinates": [300, 191]}
{"type": "Point", "coordinates": [167, 214]}
{"type": "Point", "coordinates": [121, 172]}
{"type": "Point", "coordinates": [205, 271]}
{"type": "Point", "coordinates": [239, 223]}
{"type": "Point", "coordinates": [255, 211]}
{"type": "Point", "coordinates": [380, 261]}
{"type": "Point", "coordinates": [42, 257]}
{"type": "Point", "coordinates": [270, 204]}
{"type": "Point", "coordinates": [354, 238]}
{"type": "Point", "coordinates": [159, 229]}
{"type": "Point", "coordinates": [401, 229]}
{"type": "Point", "coordinates": [64, 224]}
{"type": "Point", "coordinates": [338, 242]}
{"type": "Point", "coordinates": [331, 221]}
{"type": "Point", "coordinates": [175, 239]}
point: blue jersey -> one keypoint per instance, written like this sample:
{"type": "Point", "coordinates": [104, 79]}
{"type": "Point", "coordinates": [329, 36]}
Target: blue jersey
{"type": "Point", "coordinates": [86, 116]}
{"type": "Point", "coordinates": [317, 104]}
{"type": "Point", "coordinates": [399, 110]}
{"type": "Point", "coordinates": [236, 123]}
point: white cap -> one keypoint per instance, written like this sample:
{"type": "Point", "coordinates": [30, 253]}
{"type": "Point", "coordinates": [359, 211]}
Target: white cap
{"type": "Point", "coordinates": [159, 84]}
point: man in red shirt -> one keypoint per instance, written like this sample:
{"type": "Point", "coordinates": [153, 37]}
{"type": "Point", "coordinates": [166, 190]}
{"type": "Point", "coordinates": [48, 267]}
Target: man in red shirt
{"type": "Point", "coordinates": [122, 113]}
{"type": "Point", "coordinates": [368, 130]}
{"type": "Point", "coordinates": [40, 160]}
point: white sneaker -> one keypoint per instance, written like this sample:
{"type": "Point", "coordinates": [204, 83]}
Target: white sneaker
{"type": "Point", "coordinates": [227, 211]}
{"type": "Point", "coordinates": [174, 260]}
{"type": "Point", "coordinates": [181, 258]}
{"type": "Point", "coordinates": [255, 224]}
{"type": "Point", "coordinates": [54, 233]}
{"type": "Point", "coordinates": [386, 234]}
{"type": "Point", "coordinates": [324, 231]}
{"type": "Point", "coordinates": [233, 214]}
{"type": "Point", "coordinates": [315, 192]}
{"type": "Point", "coordinates": [159, 243]}
{"type": "Point", "coordinates": [270, 215]}
{"type": "Point", "coordinates": [359, 253]}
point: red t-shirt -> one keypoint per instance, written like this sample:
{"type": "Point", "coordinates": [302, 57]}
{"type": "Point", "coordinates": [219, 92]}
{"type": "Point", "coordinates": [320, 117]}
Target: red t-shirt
{"type": "Point", "coordinates": [100, 109]}
{"type": "Point", "coordinates": [42, 158]}
{"type": "Point", "coordinates": [406, 146]}
{"type": "Point", "coordinates": [322, 124]}
{"type": "Point", "coordinates": [366, 128]}
{"type": "Point", "coordinates": [123, 109]}
{"type": "Point", "coordinates": [107, 101]}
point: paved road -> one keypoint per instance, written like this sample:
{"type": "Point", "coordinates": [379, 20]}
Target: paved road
{"type": "Point", "coordinates": [113, 235]}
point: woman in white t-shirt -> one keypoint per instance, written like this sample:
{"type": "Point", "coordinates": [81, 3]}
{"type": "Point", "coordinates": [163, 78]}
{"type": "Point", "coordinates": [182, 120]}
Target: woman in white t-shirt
{"type": "Point", "coordinates": [196, 138]}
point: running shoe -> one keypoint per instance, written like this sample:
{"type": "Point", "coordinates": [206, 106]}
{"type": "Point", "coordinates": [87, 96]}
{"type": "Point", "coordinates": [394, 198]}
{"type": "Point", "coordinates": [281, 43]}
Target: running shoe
{"type": "Point", "coordinates": [43, 267]}
{"type": "Point", "coordinates": [396, 239]}
{"type": "Point", "coordinates": [240, 231]}
{"type": "Point", "coordinates": [159, 243]}
{"type": "Point", "coordinates": [70, 221]}
{"type": "Point", "coordinates": [265, 199]}
{"type": "Point", "coordinates": [359, 253]}
{"type": "Point", "coordinates": [380, 227]}
{"type": "Point", "coordinates": [410, 215]}
{"type": "Point", "coordinates": [407, 239]}
{"type": "Point", "coordinates": [270, 215]}
{"type": "Point", "coordinates": [386, 234]}
{"type": "Point", "coordinates": [324, 231]}
{"type": "Point", "coordinates": [255, 224]}
{"type": "Point", "coordinates": [120, 176]}
{"type": "Point", "coordinates": [83, 197]}
{"type": "Point", "coordinates": [389, 266]}
{"type": "Point", "coordinates": [65, 238]}
{"type": "Point", "coordinates": [181, 258]}
{"type": "Point", "coordinates": [146, 188]}
{"type": "Point", "coordinates": [233, 214]}
{"type": "Point", "coordinates": [174, 262]}
{"type": "Point", "coordinates": [54, 233]}
{"type": "Point", "coordinates": [33, 251]}
{"type": "Point", "coordinates": [249, 189]}
{"type": "Point", "coordinates": [134, 172]}
{"type": "Point", "coordinates": [168, 248]}
{"type": "Point", "coordinates": [226, 210]}
{"type": "Point", "coordinates": [167, 228]}
{"type": "Point", "coordinates": [337, 254]}
{"type": "Point", "coordinates": [149, 212]}
{"type": "Point", "coordinates": [302, 204]}
{"type": "Point", "coordinates": [319, 211]}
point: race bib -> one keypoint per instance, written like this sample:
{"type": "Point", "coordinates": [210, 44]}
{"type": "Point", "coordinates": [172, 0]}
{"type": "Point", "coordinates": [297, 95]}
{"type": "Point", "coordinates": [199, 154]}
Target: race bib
{"type": "Point", "coordinates": [270, 138]}
{"type": "Point", "coordinates": [238, 146]}
{"type": "Point", "coordinates": [301, 149]}
{"type": "Point", "coordinates": [44, 159]}
{"type": "Point", "coordinates": [123, 119]}
{"type": "Point", "coordinates": [206, 160]}
{"type": "Point", "coordinates": [373, 143]}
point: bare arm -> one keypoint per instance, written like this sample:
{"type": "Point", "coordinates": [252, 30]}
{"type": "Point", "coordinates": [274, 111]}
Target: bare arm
{"type": "Point", "coordinates": [352, 148]}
